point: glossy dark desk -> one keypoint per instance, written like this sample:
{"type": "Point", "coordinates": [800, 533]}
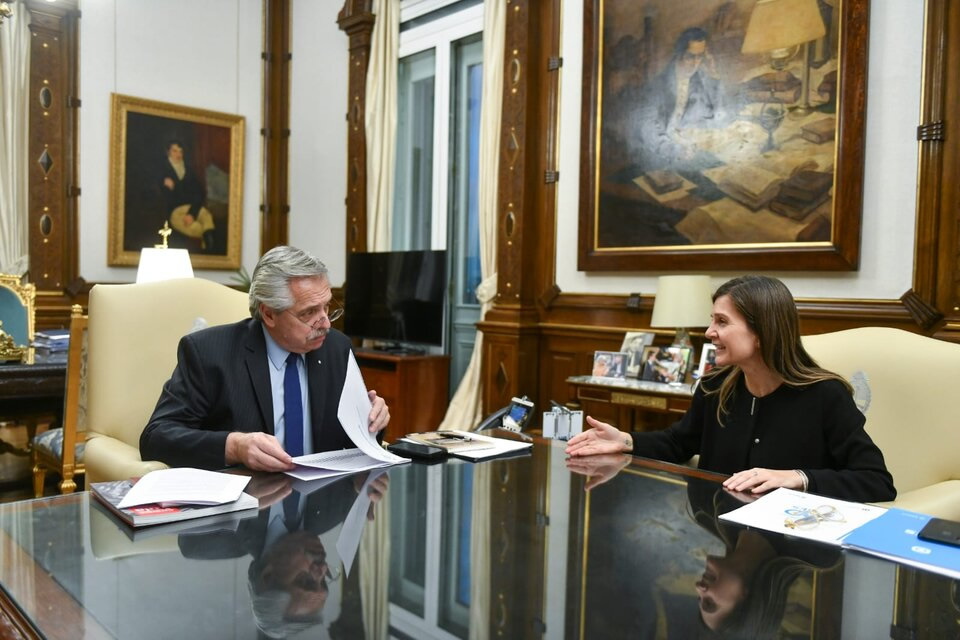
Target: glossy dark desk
{"type": "Point", "coordinates": [511, 548]}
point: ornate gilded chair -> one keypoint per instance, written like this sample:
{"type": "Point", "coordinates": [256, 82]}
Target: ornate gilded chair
{"type": "Point", "coordinates": [61, 450]}
{"type": "Point", "coordinates": [16, 315]}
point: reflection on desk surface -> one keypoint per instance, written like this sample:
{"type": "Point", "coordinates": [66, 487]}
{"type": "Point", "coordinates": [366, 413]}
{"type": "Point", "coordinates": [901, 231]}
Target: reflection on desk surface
{"type": "Point", "coordinates": [510, 548]}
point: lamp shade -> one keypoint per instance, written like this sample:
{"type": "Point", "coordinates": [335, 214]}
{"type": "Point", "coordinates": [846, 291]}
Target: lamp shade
{"type": "Point", "coordinates": [163, 264]}
{"type": "Point", "coordinates": [778, 24]}
{"type": "Point", "coordinates": [682, 301]}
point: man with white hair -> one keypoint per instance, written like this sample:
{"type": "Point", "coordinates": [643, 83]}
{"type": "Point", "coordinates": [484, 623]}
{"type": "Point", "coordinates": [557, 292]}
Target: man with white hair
{"type": "Point", "coordinates": [263, 390]}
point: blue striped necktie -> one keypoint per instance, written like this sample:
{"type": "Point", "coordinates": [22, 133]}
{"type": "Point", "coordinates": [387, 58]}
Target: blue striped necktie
{"type": "Point", "coordinates": [292, 408]}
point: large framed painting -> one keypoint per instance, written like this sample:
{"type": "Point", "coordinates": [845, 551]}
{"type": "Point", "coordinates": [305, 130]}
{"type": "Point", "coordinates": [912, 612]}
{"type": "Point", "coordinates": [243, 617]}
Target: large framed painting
{"type": "Point", "coordinates": [176, 165]}
{"type": "Point", "coordinates": [722, 134]}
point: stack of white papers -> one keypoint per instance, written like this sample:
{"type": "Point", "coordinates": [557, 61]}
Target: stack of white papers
{"type": "Point", "coordinates": [168, 487]}
{"type": "Point", "coordinates": [804, 515]}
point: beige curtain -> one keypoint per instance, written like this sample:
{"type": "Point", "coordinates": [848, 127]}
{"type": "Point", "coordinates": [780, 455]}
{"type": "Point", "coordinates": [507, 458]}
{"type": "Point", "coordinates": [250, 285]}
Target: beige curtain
{"type": "Point", "coordinates": [375, 572]}
{"type": "Point", "coordinates": [480, 560]}
{"type": "Point", "coordinates": [381, 123]}
{"type": "Point", "coordinates": [14, 138]}
{"type": "Point", "coordinates": [465, 407]}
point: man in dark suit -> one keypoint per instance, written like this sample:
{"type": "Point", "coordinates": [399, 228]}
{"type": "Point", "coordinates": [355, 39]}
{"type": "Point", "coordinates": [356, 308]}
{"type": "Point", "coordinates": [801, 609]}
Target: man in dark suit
{"type": "Point", "coordinates": [262, 390]}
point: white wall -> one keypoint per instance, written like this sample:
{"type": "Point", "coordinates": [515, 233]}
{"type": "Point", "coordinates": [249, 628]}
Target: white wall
{"type": "Point", "coordinates": [318, 138]}
{"type": "Point", "coordinates": [887, 236]}
{"type": "Point", "coordinates": [200, 54]}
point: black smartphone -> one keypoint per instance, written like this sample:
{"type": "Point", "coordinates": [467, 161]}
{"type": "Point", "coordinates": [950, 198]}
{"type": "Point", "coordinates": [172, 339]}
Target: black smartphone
{"type": "Point", "coordinates": [415, 450]}
{"type": "Point", "coordinates": [942, 531]}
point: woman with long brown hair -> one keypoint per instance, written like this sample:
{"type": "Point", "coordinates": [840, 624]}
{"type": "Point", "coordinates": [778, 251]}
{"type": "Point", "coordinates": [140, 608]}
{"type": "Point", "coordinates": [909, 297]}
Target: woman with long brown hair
{"type": "Point", "coordinates": [768, 414]}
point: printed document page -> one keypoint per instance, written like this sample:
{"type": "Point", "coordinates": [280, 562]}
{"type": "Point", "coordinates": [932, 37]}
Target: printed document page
{"type": "Point", "coordinates": [352, 531]}
{"type": "Point", "coordinates": [185, 486]}
{"type": "Point", "coordinates": [804, 515]}
{"type": "Point", "coordinates": [353, 412]}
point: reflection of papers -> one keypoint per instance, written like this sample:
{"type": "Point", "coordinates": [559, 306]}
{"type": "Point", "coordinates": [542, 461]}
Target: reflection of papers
{"type": "Point", "coordinates": [669, 196]}
{"type": "Point", "coordinates": [352, 530]}
{"type": "Point", "coordinates": [353, 413]}
{"type": "Point", "coordinates": [771, 512]}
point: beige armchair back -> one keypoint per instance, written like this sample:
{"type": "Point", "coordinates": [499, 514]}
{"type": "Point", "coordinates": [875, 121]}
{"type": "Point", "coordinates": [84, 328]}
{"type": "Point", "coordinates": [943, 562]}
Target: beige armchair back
{"type": "Point", "coordinates": [906, 386]}
{"type": "Point", "coordinates": [133, 334]}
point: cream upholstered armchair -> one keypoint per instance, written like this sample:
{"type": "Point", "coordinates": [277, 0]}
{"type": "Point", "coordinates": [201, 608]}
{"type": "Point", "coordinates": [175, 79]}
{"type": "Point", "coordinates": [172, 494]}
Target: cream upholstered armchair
{"type": "Point", "coordinates": [906, 386]}
{"type": "Point", "coordinates": [133, 333]}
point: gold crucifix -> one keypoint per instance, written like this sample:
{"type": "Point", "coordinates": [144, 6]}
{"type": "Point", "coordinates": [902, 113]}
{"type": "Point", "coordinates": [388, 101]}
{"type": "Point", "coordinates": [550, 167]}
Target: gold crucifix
{"type": "Point", "coordinates": [164, 233]}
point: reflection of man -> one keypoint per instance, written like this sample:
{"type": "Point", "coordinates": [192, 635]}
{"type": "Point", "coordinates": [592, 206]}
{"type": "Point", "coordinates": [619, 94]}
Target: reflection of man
{"type": "Point", "coordinates": [296, 579]}
{"type": "Point", "coordinates": [185, 198]}
{"type": "Point", "coordinates": [244, 393]}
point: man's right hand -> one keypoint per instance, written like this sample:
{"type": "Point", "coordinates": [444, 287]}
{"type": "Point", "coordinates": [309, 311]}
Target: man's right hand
{"type": "Point", "coordinates": [257, 451]}
{"type": "Point", "coordinates": [168, 183]}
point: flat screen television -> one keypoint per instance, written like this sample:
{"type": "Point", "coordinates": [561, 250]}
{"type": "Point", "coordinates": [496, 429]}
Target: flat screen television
{"type": "Point", "coordinates": [396, 296]}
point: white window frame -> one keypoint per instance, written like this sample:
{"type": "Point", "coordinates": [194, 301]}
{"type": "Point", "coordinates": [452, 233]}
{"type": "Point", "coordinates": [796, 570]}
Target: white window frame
{"type": "Point", "coordinates": [439, 35]}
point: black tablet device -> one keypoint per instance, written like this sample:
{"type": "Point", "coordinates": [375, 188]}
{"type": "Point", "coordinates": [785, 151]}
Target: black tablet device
{"type": "Point", "coordinates": [942, 531]}
{"type": "Point", "coordinates": [415, 450]}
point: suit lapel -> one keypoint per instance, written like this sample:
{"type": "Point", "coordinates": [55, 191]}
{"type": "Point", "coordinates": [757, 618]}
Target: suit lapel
{"type": "Point", "coordinates": [256, 361]}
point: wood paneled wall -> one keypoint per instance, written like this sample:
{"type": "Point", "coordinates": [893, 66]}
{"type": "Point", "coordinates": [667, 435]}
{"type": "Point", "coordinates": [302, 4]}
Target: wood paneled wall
{"type": "Point", "coordinates": [535, 335]}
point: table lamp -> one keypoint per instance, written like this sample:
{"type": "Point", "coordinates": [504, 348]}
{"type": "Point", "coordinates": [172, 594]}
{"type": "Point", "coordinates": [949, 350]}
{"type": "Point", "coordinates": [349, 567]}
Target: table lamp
{"type": "Point", "coordinates": [163, 263]}
{"type": "Point", "coordinates": [776, 26]}
{"type": "Point", "coordinates": [681, 302]}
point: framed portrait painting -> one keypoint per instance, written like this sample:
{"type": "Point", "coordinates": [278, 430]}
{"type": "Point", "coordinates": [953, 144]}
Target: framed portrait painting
{"type": "Point", "coordinates": [179, 166]}
{"type": "Point", "coordinates": [722, 134]}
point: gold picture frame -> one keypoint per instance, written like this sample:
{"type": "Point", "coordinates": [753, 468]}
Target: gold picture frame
{"type": "Point", "coordinates": [704, 149]}
{"type": "Point", "coordinates": [197, 189]}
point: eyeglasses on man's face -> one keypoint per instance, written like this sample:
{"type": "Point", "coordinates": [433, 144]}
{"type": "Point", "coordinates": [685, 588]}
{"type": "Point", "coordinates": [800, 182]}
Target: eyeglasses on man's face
{"type": "Point", "coordinates": [313, 316]}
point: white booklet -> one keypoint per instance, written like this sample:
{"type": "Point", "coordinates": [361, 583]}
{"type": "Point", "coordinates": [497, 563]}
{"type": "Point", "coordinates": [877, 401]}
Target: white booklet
{"type": "Point", "coordinates": [353, 412]}
{"type": "Point", "coordinates": [184, 485]}
{"type": "Point", "coordinates": [804, 515]}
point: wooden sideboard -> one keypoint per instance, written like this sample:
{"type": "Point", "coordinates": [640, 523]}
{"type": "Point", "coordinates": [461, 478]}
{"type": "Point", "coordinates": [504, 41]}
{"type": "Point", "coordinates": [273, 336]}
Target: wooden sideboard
{"type": "Point", "coordinates": [416, 388]}
{"type": "Point", "coordinates": [631, 405]}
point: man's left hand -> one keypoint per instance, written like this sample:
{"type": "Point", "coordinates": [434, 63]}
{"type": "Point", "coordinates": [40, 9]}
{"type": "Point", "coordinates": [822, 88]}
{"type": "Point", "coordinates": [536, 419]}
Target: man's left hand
{"type": "Point", "coordinates": [379, 414]}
